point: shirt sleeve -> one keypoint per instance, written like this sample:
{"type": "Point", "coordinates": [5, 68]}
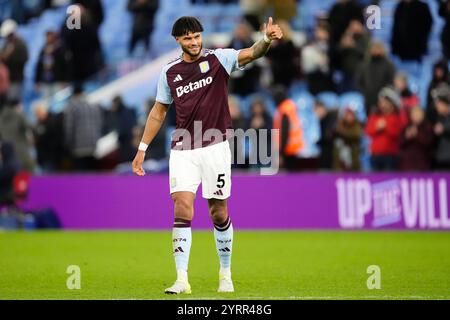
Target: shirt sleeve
{"type": "Point", "coordinates": [163, 94]}
{"type": "Point", "coordinates": [229, 59]}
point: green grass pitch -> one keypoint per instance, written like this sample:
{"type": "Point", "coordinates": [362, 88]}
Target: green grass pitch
{"type": "Point", "coordinates": [266, 265]}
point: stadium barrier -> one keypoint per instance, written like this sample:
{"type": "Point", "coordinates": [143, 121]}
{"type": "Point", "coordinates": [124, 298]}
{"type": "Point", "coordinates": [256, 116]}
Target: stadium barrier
{"type": "Point", "coordinates": [294, 201]}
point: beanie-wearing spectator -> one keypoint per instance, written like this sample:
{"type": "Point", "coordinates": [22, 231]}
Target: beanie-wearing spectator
{"type": "Point", "coordinates": [4, 84]}
{"type": "Point", "coordinates": [416, 143]}
{"type": "Point", "coordinates": [442, 127]}
{"type": "Point", "coordinates": [15, 129]}
{"type": "Point", "coordinates": [315, 62]}
{"type": "Point", "coordinates": [384, 128]}
{"type": "Point", "coordinates": [408, 98]}
{"type": "Point", "coordinates": [440, 76]}
{"type": "Point", "coordinates": [244, 82]}
{"type": "Point", "coordinates": [352, 51]}
{"type": "Point", "coordinates": [82, 129]}
{"type": "Point", "coordinates": [411, 30]}
{"type": "Point", "coordinates": [327, 120]}
{"type": "Point", "coordinates": [143, 15]}
{"type": "Point", "coordinates": [348, 134]}
{"type": "Point", "coordinates": [53, 69]}
{"type": "Point", "coordinates": [444, 12]}
{"type": "Point", "coordinates": [282, 56]}
{"type": "Point", "coordinates": [374, 74]}
{"type": "Point", "coordinates": [14, 55]}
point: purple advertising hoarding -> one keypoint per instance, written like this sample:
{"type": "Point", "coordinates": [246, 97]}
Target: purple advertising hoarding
{"type": "Point", "coordinates": [294, 201]}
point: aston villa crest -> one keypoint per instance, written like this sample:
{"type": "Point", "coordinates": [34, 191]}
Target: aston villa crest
{"type": "Point", "coordinates": [204, 66]}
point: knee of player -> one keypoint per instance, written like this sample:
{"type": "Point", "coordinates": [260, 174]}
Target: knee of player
{"type": "Point", "coordinates": [218, 214]}
{"type": "Point", "coordinates": [183, 209]}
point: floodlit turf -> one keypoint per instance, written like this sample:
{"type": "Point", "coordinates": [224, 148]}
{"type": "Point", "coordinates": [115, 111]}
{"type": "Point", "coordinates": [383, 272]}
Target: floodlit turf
{"type": "Point", "coordinates": [266, 265]}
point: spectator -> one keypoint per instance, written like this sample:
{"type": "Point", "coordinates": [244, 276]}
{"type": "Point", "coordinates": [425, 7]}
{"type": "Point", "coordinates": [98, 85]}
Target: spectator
{"type": "Point", "coordinates": [238, 122]}
{"type": "Point", "coordinates": [95, 9]}
{"type": "Point", "coordinates": [442, 127]}
{"type": "Point", "coordinates": [143, 15]}
{"type": "Point", "coordinates": [327, 120]}
{"type": "Point", "coordinates": [348, 134]}
{"type": "Point", "coordinates": [9, 167]}
{"type": "Point", "coordinates": [416, 143]}
{"type": "Point", "coordinates": [352, 51]}
{"type": "Point", "coordinates": [253, 10]}
{"type": "Point", "coordinates": [289, 134]}
{"type": "Point", "coordinates": [53, 66]}
{"type": "Point", "coordinates": [283, 56]}
{"type": "Point", "coordinates": [14, 55]}
{"type": "Point", "coordinates": [15, 129]}
{"type": "Point", "coordinates": [444, 12]}
{"type": "Point", "coordinates": [384, 128]}
{"type": "Point", "coordinates": [315, 63]}
{"type": "Point", "coordinates": [48, 136]}
{"type": "Point", "coordinates": [339, 18]}
{"type": "Point", "coordinates": [440, 76]}
{"type": "Point", "coordinates": [283, 9]}
{"type": "Point", "coordinates": [4, 84]}
{"type": "Point", "coordinates": [244, 82]}
{"type": "Point", "coordinates": [237, 119]}
{"type": "Point", "coordinates": [411, 30]}
{"type": "Point", "coordinates": [261, 121]}
{"type": "Point", "coordinates": [409, 99]}
{"type": "Point", "coordinates": [82, 129]}
{"type": "Point", "coordinates": [84, 44]}
{"type": "Point", "coordinates": [123, 120]}
{"type": "Point", "coordinates": [374, 74]}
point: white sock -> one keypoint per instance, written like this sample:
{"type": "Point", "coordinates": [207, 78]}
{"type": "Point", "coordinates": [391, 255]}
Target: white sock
{"type": "Point", "coordinates": [181, 240]}
{"type": "Point", "coordinates": [224, 245]}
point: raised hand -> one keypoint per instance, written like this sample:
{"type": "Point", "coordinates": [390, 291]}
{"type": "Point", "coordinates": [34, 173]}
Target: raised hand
{"type": "Point", "coordinates": [272, 31]}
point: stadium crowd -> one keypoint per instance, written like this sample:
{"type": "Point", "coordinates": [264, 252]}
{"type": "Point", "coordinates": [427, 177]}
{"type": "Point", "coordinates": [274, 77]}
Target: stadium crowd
{"type": "Point", "coordinates": [339, 56]}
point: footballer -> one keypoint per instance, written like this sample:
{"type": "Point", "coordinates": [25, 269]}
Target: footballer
{"type": "Point", "coordinates": [196, 83]}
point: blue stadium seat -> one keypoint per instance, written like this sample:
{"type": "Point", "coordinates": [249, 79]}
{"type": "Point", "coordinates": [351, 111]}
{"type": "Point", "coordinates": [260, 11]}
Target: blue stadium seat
{"type": "Point", "coordinates": [329, 99]}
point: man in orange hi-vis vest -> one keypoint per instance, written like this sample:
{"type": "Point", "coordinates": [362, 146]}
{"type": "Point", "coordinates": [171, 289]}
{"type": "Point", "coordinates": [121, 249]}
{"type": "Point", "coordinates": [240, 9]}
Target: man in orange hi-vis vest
{"type": "Point", "coordinates": [289, 134]}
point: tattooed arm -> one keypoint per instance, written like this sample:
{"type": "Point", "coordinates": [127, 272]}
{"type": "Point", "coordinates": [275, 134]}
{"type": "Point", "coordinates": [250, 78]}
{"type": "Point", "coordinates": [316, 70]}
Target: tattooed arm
{"type": "Point", "coordinates": [260, 48]}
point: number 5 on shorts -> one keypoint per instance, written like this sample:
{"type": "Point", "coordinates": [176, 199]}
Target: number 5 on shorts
{"type": "Point", "coordinates": [220, 181]}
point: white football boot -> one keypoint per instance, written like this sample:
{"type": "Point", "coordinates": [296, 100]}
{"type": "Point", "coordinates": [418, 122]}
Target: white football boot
{"type": "Point", "coordinates": [180, 286]}
{"type": "Point", "coordinates": [225, 284]}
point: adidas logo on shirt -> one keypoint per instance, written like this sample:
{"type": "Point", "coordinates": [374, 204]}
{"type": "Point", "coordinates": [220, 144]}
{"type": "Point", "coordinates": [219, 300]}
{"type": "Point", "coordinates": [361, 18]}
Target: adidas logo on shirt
{"type": "Point", "coordinates": [177, 78]}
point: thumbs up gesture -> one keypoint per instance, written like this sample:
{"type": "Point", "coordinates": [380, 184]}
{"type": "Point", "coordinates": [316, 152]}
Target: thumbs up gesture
{"type": "Point", "coordinates": [272, 31]}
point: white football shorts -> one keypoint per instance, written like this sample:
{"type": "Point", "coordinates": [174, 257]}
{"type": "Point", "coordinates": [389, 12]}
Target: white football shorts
{"type": "Point", "coordinates": [210, 166]}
